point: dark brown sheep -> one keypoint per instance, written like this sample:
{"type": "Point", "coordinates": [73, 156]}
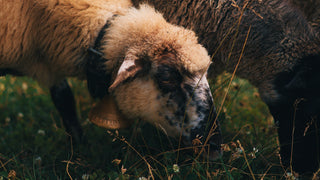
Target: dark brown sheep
{"type": "Point", "coordinates": [281, 58]}
{"type": "Point", "coordinates": [311, 10]}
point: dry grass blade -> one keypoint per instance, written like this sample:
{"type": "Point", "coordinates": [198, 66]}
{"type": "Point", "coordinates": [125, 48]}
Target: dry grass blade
{"type": "Point", "coordinates": [266, 172]}
{"type": "Point", "coordinates": [69, 161]}
{"type": "Point", "coordinates": [231, 79]}
{"type": "Point", "coordinates": [2, 165]}
{"type": "Point", "coordinates": [293, 129]}
{"type": "Point", "coordinates": [245, 157]}
{"type": "Point", "coordinates": [142, 157]}
{"type": "Point", "coordinates": [315, 175]}
{"type": "Point", "coordinates": [224, 98]}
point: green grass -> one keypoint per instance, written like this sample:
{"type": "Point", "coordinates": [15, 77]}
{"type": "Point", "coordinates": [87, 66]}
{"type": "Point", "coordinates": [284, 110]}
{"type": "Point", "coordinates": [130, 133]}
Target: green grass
{"type": "Point", "coordinates": [33, 143]}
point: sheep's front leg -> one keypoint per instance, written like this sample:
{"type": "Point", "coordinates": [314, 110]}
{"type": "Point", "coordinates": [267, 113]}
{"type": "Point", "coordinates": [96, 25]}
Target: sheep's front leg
{"type": "Point", "coordinates": [298, 135]}
{"type": "Point", "coordinates": [296, 111]}
{"type": "Point", "coordinates": [63, 100]}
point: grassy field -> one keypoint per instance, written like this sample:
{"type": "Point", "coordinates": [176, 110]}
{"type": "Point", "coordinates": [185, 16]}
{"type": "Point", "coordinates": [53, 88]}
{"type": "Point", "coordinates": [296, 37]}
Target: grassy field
{"type": "Point", "coordinates": [33, 143]}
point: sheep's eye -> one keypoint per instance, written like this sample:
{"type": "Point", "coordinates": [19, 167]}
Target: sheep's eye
{"type": "Point", "coordinates": [168, 78]}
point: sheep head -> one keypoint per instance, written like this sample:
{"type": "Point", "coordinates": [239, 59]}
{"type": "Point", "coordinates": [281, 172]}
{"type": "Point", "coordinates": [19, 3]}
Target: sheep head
{"type": "Point", "coordinates": [167, 95]}
{"type": "Point", "coordinates": [159, 76]}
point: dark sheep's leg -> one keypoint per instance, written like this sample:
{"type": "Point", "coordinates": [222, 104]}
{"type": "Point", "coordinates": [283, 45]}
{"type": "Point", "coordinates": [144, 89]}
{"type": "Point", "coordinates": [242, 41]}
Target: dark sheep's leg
{"type": "Point", "coordinates": [294, 125]}
{"type": "Point", "coordinates": [63, 100]}
{"type": "Point", "coordinates": [297, 113]}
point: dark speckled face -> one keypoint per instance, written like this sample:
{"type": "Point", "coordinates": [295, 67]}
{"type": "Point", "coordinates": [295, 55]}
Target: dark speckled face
{"type": "Point", "coordinates": [168, 96]}
{"type": "Point", "coordinates": [190, 101]}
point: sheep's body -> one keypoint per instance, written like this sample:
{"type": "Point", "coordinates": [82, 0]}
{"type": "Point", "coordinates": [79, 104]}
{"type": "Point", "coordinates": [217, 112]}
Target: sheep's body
{"type": "Point", "coordinates": [263, 57]}
{"type": "Point", "coordinates": [155, 67]}
{"type": "Point", "coordinates": [281, 58]}
{"type": "Point", "coordinates": [311, 10]}
{"type": "Point", "coordinates": [48, 40]}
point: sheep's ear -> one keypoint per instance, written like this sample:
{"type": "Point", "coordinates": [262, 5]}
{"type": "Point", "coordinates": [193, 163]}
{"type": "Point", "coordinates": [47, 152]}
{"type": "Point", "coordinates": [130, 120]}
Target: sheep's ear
{"type": "Point", "coordinates": [128, 69]}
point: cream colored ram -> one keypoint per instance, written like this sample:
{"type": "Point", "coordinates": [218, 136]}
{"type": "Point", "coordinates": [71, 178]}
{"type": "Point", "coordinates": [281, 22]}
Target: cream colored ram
{"type": "Point", "coordinates": [156, 71]}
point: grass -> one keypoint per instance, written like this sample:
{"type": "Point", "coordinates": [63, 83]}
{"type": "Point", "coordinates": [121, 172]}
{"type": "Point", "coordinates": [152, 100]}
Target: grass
{"type": "Point", "coordinates": [33, 143]}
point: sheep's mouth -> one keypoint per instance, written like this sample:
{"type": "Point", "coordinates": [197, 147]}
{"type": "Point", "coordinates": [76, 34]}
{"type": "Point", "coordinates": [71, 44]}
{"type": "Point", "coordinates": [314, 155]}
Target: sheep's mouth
{"type": "Point", "coordinates": [106, 114]}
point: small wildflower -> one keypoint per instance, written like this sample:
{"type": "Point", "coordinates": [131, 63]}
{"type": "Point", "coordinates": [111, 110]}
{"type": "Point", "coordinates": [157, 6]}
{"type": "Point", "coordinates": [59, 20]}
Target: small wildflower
{"type": "Point", "coordinates": [253, 153]}
{"type": "Point", "coordinates": [24, 86]}
{"type": "Point", "coordinates": [176, 168]}
{"type": "Point", "coordinates": [20, 115]}
{"type": "Point", "coordinates": [291, 176]}
{"type": "Point", "coordinates": [7, 120]}
{"type": "Point", "coordinates": [224, 109]}
{"type": "Point", "coordinates": [41, 132]}
{"type": "Point", "coordinates": [85, 177]}
{"type": "Point", "coordinates": [38, 159]}
{"type": "Point", "coordinates": [2, 88]}
{"type": "Point", "coordinates": [235, 85]}
{"type": "Point", "coordinates": [142, 178]}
